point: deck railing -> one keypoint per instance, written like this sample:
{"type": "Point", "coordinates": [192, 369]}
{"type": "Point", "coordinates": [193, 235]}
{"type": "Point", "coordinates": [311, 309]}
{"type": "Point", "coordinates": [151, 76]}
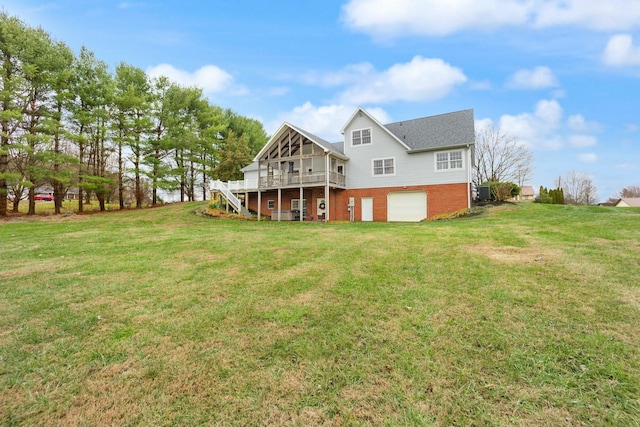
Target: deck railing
{"type": "Point", "coordinates": [293, 179]}
{"type": "Point", "coordinates": [247, 184]}
{"type": "Point", "coordinates": [220, 186]}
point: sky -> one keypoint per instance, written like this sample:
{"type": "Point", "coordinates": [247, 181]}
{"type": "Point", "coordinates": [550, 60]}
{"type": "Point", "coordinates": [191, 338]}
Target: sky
{"type": "Point", "coordinates": [561, 76]}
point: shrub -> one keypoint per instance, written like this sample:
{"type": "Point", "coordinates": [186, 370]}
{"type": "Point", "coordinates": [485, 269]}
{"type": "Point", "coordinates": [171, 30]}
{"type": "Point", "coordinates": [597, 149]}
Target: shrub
{"type": "Point", "coordinates": [501, 191]}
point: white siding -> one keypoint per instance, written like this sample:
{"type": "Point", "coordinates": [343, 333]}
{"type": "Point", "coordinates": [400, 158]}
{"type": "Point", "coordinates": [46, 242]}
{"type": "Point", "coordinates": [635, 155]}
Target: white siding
{"type": "Point", "coordinates": [411, 169]}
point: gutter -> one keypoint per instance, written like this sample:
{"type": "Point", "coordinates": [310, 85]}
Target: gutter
{"type": "Point", "coordinates": [443, 148]}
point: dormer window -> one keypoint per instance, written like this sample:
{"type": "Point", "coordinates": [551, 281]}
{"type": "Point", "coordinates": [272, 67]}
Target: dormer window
{"type": "Point", "coordinates": [361, 137]}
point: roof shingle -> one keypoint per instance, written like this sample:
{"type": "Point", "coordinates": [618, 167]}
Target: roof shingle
{"type": "Point", "coordinates": [429, 133]}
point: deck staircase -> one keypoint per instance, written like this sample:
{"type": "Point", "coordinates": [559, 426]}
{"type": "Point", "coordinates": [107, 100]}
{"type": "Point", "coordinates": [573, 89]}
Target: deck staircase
{"type": "Point", "coordinates": [231, 199]}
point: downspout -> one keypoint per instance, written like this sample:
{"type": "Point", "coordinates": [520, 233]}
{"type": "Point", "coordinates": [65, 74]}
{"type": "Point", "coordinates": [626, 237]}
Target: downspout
{"type": "Point", "coordinates": [469, 166]}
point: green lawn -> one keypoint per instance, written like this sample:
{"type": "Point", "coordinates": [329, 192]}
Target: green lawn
{"type": "Point", "coordinates": [47, 208]}
{"type": "Point", "coordinates": [524, 315]}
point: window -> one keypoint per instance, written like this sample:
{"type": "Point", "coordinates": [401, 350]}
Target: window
{"type": "Point", "coordinates": [361, 137]}
{"type": "Point", "coordinates": [271, 204]}
{"type": "Point", "coordinates": [449, 160]}
{"type": "Point", "coordinates": [383, 167]}
{"type": "Point", "coordinates": [295, 204]}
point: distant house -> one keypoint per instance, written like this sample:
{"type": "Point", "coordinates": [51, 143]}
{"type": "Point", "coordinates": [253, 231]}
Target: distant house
{"type": "Point", "coordinates": [47, 189]}
{"type": "Point", "coordinates": [628, 202]}
{"type": "Point", "coordinates": [403, 171]}
{"type": "Point", "coordinates": [526, 194]}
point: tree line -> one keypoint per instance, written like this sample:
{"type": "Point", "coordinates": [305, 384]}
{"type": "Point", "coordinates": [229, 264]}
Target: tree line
{"type": "Point", "coordinates": [504, 164]}
{"type": "Point", "coordinates": [67, 121]}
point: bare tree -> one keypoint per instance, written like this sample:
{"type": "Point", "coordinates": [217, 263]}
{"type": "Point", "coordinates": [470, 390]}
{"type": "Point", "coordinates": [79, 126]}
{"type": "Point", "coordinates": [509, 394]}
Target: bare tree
{"type": "Point", "coordinates": [578, 188]}
{"type": "Point", "coordinates": [501, 158]}
{"type": "Point", "coordinates": [630, 191]}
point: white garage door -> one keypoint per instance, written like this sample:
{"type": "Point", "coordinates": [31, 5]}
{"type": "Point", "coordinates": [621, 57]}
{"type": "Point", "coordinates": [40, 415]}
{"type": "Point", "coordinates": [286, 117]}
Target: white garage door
{"type": "Point", "coordinates": [407, 206]}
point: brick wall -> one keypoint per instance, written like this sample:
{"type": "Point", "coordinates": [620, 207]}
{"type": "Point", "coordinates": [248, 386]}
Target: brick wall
{"type": "Point", "coordinates": [441, 198]}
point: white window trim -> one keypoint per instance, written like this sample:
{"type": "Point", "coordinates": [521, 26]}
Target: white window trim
{"type": "Point", "coordinates": [449, 168]}
{"type": "Point", "coordinates": [360, 130]}
{"type": "Point", "coordinates": [271, 204]}
{"type": "Point", "coordinates": [373, 169]}
{"type": "Point", "coordinates": [304, 204]}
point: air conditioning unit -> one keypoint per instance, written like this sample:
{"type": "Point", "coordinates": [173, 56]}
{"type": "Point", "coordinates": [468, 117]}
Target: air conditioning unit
{"type": "Point", "coordinates": [484, 192]}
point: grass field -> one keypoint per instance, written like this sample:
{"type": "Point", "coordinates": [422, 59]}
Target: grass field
{"type": "Point", "coordinates": [47, 208]}
{"type": "Point", "coordinates": [524, 315]}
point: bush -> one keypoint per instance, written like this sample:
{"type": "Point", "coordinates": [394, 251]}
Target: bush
{"type": "Point", "coordinates": [501, 191]}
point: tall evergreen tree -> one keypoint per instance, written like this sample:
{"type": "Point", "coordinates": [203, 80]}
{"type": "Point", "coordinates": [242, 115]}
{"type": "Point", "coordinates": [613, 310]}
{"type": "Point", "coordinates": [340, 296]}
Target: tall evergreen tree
{"type": "Point", "coordinates": [133, 103]}
{"type": "Point", "coordinates": [44, 61]}
{"type": "Point", "coordinates": [13, 94]}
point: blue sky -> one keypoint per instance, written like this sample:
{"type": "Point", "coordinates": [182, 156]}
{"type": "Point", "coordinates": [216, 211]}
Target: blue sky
{"type": "Point", "coordinates": [561, 76]}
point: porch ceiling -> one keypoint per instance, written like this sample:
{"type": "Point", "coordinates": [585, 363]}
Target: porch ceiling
{"type": "Point", "coordinates": [290, 141]}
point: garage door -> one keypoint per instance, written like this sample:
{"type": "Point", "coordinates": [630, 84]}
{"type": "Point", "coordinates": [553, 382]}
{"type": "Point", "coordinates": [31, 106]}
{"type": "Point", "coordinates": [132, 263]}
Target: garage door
{"type": "Point", "coordinates": [407, 206]}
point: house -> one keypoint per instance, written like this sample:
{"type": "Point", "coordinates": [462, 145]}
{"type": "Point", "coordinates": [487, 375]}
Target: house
{"type": "Point", "coordinates": [526, 194]}
{"type": "Point", "coordinates": [628, 202]}
{"type": "Point", "coordinates": [403, 171]}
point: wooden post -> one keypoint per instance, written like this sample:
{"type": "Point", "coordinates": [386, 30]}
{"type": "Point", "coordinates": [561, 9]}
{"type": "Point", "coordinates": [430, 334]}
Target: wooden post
{"type": "Point", "coordinates": [301, 204]}
{"type": "Point", "coordinates": [326, 188]}
{"type": "Point", "coordinates": [258, 186]}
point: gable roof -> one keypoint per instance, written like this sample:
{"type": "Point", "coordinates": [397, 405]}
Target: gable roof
{"type": "Point", "coordinates": [435, 132]}
{"type": "Point", "coordinates": [327, 146]}
{"type": "Point", "coordinates": [361, 111]}
{"type": "Point", "coordinates": [333, 147]}
{"type": "Point", "coordinates": [633, 202]}
{"type": "Point", "coordinates": [527, 190]}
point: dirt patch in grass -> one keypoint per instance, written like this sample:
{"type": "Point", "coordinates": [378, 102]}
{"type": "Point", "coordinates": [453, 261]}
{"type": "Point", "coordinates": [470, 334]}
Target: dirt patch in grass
{"type": "Point", "coordinates": [514, 255]}
{"type": "Point", "coordinates": [217, 213]}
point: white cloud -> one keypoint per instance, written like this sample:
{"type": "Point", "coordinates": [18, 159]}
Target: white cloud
{"type": "Point", "coordinates": [577, 123]}
{"type": "Point", "coordinates": [537, 78]}
{"type": "Point", "coordinates": [609, 15]}
{"type": "Point", "coordinates": [538, 129]}
{"type": "Point", "coordinates": [324, 121]}
{"type": "Point", "coordinates": [546, 129]}
{"type": "Point", "coordinates": [421, 79]}
{"type": "Point", "coordinates": [392, 18]}
{"type": "Point", "coordinates": [588, 157]}
{"type": "Point", "coordinates": [621, 52]}
{"type": "Point", "coordinates": [582, 141]}
{"type": "Point", "coordinates": [209, 78]}
{"type": "Point", "coordinates": [387, 18]}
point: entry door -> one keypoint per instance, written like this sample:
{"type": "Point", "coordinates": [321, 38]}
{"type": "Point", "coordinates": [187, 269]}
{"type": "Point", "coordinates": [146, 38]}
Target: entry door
{"type": "Point", "coordinates": [367, 209]}
{"type": "Point", "coordinates": [321, 208]}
